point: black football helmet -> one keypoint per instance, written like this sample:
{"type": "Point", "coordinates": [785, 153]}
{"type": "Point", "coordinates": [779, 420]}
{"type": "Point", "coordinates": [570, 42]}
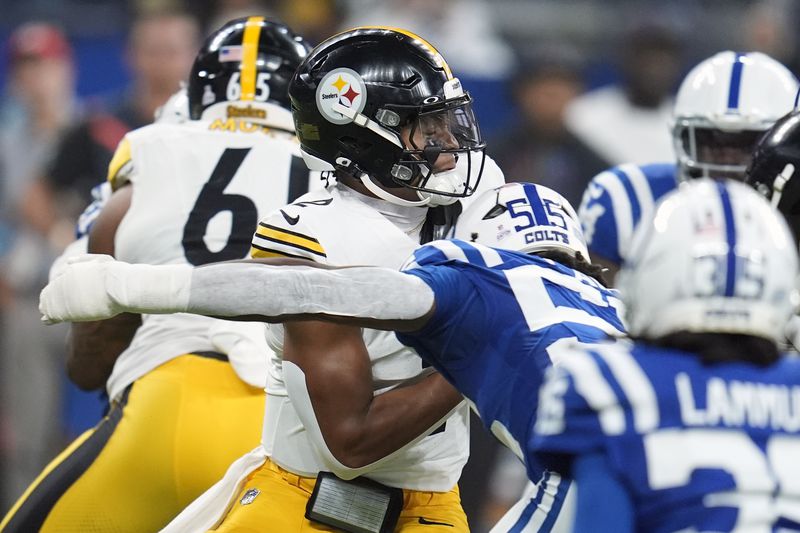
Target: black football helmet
{"type": "Point", "coordinates": [382, 103]}
{"type": "Point", "coordinates": [249, 60]}
{"type": "Point", "coordinates": [774, 170]}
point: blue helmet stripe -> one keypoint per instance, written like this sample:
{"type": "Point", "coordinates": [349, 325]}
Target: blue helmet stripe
{"type": "Point", "coordinates": [736, 82]}
{"type": "Point", "coordinates": [730, 236]}
{"type": "Point", "coordinates": [536, 205]}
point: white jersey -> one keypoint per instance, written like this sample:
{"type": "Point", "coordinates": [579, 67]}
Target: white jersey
{"type": "Point", "coordinates": [199, 189]}
{"type": "Point", "coordinates": [343, 227]}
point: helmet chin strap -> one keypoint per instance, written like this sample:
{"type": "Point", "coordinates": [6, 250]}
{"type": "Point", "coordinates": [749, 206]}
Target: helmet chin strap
{"type": "Point", "coordinates": [383, 194]}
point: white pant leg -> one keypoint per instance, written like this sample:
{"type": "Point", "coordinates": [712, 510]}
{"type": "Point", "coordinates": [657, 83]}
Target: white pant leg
{"type": "Point", "coordinates": [545, 507]}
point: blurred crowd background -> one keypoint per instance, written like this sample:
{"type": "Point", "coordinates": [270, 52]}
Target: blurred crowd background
{"type": "Point", "coordinates": [563, 89]}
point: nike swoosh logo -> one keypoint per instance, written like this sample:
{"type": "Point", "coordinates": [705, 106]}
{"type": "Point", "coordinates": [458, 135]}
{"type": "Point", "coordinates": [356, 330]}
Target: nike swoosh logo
{"type": "Point", "coordinates": [425, 522]}
{"type": "Point", "coordinates": [291, 220]}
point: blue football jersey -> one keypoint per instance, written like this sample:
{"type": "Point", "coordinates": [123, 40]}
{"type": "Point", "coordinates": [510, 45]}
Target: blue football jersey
{"type": "Point", "coordinates": [100, 195]}
{"type": "Point", "coordinates": [698, 448]}
{"type": "Point", "coordinates": [501, 318]}
{"type": "Point", "coordinates": [616, 200]}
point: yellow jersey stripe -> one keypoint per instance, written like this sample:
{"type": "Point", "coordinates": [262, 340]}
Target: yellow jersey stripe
{"type": "Point", "coordinates": [252, 32]}
{"type": "Point", "coordinates": [425, 44]}
{"type": "Point", "coordinates": [122, 156]}
{"type": "Point", "coordinates": [289, 238]}
{"type": "Point", "coordinates": [284, 230]}
{"type": "Point", "coordinates": [257, 251]}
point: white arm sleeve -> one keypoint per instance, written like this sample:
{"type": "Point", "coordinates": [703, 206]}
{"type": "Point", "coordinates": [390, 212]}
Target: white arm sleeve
{"type": "Point", "coordinates": [235, 289]}
{"type": "Point", "coordinates": [97, 287]}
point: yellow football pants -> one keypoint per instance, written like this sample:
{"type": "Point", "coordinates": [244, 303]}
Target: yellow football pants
{"type": "Point", "coordinates": [172, 435]}
{"type": "Point", "coordinates": [280, 507]}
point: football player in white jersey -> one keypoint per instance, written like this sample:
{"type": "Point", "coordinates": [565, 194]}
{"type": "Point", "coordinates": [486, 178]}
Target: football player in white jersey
{"type": "Point", "coordinates": [378, 107]}
{"type": "Point", "coordinates": [722, 108]}
{"type": "Point", "coordinates": [184, 193]}
{"type": "Point", "coordinates": [174, 111]}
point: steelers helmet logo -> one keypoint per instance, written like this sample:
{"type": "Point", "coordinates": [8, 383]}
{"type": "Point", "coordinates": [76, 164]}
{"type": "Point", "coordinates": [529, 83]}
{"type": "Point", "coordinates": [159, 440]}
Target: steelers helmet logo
{"type": "Point", "coordinates": [345, 87]}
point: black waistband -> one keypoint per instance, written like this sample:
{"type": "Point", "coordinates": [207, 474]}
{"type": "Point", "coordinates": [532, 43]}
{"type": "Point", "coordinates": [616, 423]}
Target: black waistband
{"type": "Point", "coordinates": [211, 355]}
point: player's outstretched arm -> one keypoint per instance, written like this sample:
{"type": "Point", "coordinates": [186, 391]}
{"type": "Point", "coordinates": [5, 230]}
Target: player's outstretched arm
{"type": "Point", "coordinates": [271, 290]}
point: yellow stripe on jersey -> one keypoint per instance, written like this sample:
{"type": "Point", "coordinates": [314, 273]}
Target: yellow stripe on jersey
{"type": "Point", "coordinates": [121, 158]}
{"type": "Point", "coordinates": [289, 238]}
{"type": "Point", "coordinates": [252, 32]}
{"type": "Point", "coordinates": [257, 252]}
{"type": "Point", "coordinates": [425, 44]}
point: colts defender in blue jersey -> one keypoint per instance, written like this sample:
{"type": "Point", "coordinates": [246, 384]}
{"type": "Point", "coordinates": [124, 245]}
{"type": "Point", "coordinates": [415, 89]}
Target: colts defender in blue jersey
{"type": "Point", "coordinates": [722, 108]}
{"type": "Point", "coordinates": [490, 319]}
{"type": "Point", "coordinates": [696, 425]}
{"type": "Point", "coordinates": [503, 317]}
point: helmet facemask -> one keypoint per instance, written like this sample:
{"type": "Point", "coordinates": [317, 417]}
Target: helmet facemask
{"type": "Point", "coordinates": [705, 150]}
{"type": "Point", "coordinates": [442, 157]}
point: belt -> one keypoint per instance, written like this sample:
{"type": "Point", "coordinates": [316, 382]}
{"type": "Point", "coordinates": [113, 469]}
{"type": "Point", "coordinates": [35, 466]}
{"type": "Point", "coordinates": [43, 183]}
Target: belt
{"type": "Point", "coordinates": [211, 355]}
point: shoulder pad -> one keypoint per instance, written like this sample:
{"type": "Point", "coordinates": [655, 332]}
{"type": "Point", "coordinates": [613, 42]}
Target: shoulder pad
{"type": "Point", "coordinates": [444, 251]}
{"type": "Point", "coordinates": [121, 166]}
{"type": "Point", "coordinates": [285, 233]}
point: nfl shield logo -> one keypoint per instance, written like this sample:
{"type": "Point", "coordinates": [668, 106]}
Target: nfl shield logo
{"type": "Point", "coordinates": [249, 496]}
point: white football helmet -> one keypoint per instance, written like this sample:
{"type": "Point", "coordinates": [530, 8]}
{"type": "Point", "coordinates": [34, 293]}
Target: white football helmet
{"type": "Point", "coordinates": [716, 257]}
{"type": "Point", "coordinates": [175, 110]}
{"type": "Point", "coordinates": [723, 106]}
{"type": "Point", "coordinates": [523, 217]}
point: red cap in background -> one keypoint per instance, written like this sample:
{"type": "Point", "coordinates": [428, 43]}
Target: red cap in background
{"type": "Point", "coordinates": [38, 40]}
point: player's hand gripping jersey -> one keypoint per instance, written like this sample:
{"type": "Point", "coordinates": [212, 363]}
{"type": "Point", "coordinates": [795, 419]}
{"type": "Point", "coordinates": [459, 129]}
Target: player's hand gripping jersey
{"type": "Point", "coordinates": [710, 448]}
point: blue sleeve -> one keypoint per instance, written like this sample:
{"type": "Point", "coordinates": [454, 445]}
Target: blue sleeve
{"type": "Point", "coordinates": [457, 327]}
{"type": "Point", "coordinates": [449, 288]}
{"type": "Point", "coordinates": [603, 504]}
{"type": "Point", "coordinates": [599, 222]}
{"type": "Point", "coordinates": [100, 195]}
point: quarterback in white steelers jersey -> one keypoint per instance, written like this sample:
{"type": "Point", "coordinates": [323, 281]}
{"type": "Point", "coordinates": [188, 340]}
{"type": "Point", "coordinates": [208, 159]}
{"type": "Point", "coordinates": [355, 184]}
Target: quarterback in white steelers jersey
{"type": "Point", "coordinates": [186, 399]}
{"type": "Point", "coordinates": [376, 411]}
